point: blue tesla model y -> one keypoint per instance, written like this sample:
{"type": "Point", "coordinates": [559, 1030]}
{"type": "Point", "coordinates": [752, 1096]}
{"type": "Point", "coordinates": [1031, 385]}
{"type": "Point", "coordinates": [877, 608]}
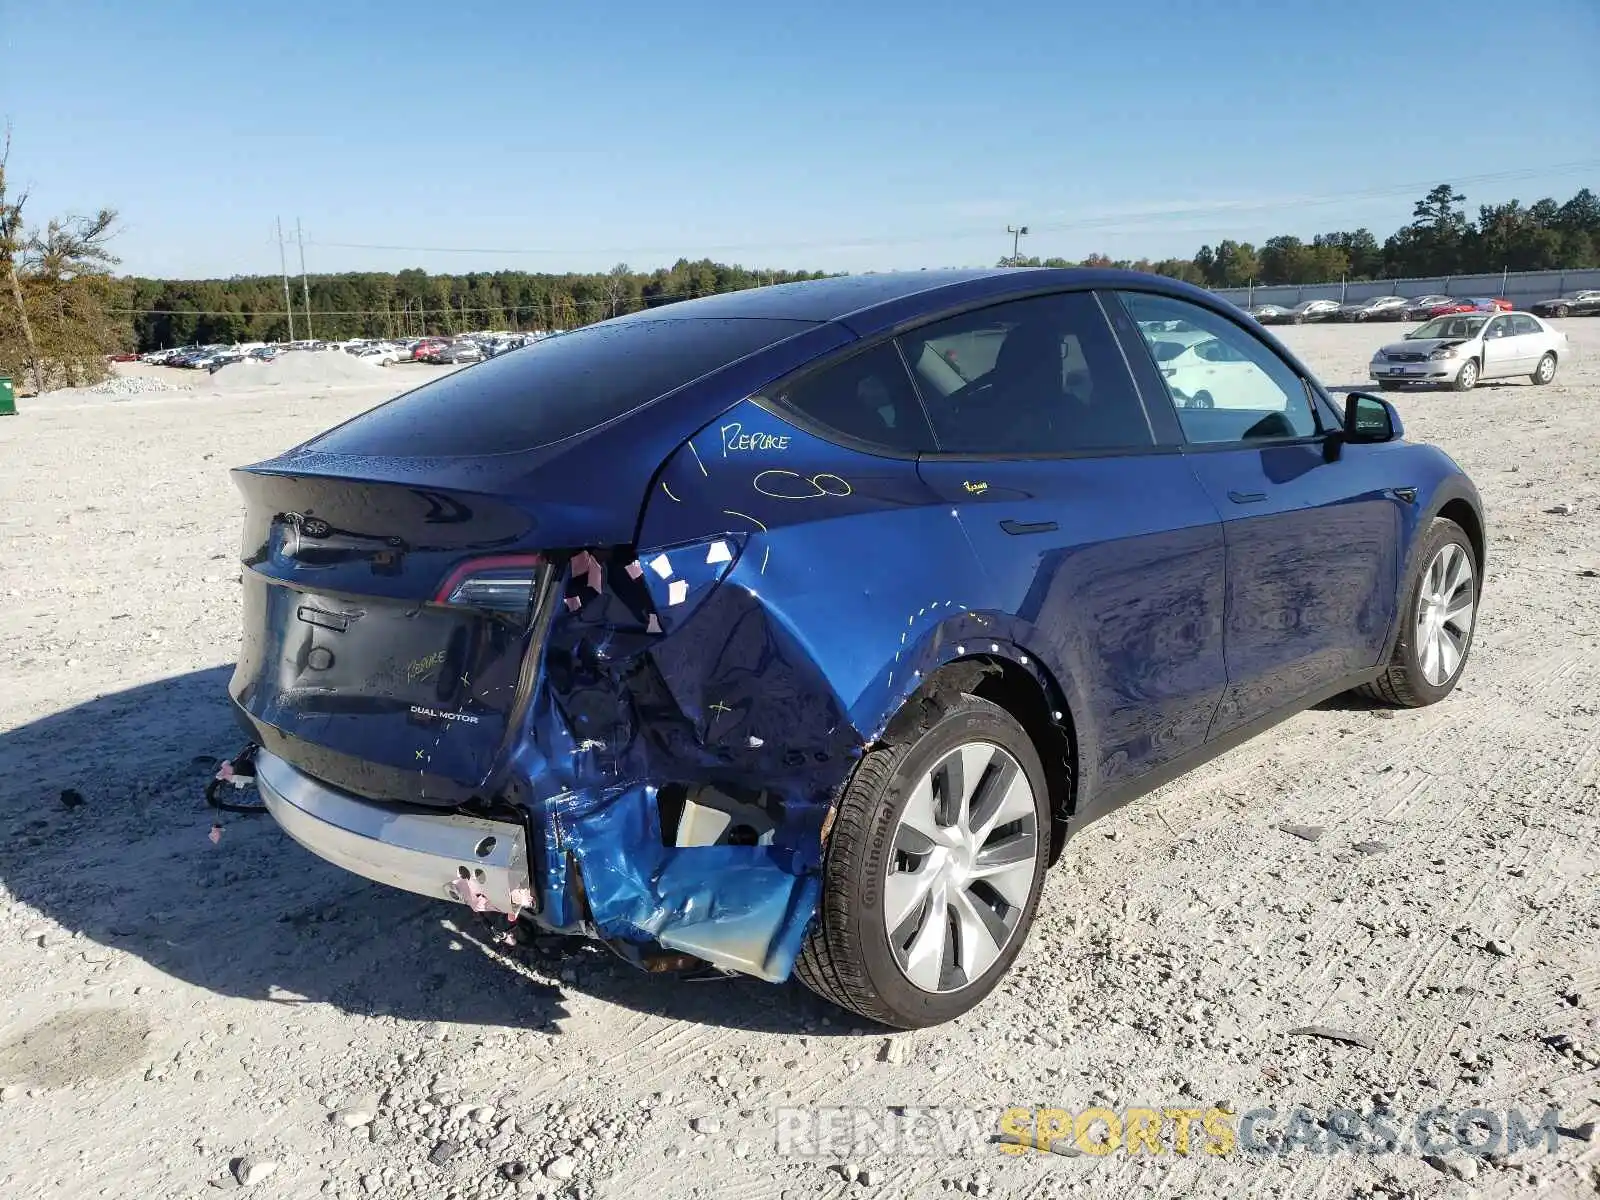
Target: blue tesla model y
{"type": "Point", "coordinates": [793, 631]}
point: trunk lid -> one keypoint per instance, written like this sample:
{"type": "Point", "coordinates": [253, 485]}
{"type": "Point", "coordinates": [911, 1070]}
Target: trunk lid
{"type": "Point", "coordinates": [353, 666]}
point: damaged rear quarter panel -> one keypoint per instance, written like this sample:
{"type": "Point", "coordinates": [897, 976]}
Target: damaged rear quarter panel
{"type": "Point", "coordinates": [786, 596]}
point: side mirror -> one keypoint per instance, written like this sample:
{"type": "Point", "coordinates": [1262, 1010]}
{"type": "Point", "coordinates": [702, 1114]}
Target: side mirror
{"type": "Point", "coordinates": [1370, 419]}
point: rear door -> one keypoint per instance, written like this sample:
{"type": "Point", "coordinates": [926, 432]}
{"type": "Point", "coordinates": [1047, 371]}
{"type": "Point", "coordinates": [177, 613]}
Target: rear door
{"type": "Point", "coordinates": [1312, 545]}
{"type": "Point", "coordinates": [1095, 534]}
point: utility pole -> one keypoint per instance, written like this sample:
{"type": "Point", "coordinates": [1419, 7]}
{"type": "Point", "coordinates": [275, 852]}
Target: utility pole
{"type": "Point", "coordinates": [283, 262]}
{"type": "Point", "coordinates": [305, 288]}
{"type": "Point", "coordinates": [1017, 232]}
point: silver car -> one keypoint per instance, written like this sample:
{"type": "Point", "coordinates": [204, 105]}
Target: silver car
{"type": "Point", "coordinates": [1459, 350]}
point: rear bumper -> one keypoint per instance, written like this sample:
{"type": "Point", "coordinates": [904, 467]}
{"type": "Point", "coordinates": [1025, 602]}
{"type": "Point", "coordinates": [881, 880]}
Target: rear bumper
{"type": "Point", "coordinates": [473, 861]}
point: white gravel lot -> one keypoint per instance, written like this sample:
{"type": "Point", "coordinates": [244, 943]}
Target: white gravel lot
{"type": "Point", "coordinates": [169, 1005]}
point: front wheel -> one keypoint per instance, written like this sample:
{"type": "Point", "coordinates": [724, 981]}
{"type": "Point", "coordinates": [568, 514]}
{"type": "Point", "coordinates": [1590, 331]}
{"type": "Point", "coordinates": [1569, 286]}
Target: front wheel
{"type": "Point", "coordinates": [933, 868]}
{"type": "Point", "coordinates": [1202, 399]}
{"type": "Point", "coordinates": [1437, 622]}
{"type": "Point", "coordinates": [1546, 370]}
{"type": "Point", "coordinates": [1467, 378]}
{"type": "Point", "coordinates": [1562, 311]}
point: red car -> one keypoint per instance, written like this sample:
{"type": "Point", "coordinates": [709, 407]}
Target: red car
{"type": "Point", "coordinates": [123, 356]}
{"type": "Point", "coordinates": [1471, 304]}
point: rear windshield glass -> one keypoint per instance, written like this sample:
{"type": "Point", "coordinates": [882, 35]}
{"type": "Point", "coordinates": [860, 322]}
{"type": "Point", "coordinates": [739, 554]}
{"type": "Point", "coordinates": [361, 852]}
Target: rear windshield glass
{"type": "Point", "coordinates": [553, 389]}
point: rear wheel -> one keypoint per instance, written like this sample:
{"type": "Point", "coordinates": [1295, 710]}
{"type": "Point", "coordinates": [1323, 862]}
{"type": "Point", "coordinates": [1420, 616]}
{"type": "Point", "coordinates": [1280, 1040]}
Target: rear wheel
{"type": "Point", "coordinates": [1467, 378]}
{"type": "Point", "coordinates": [1437, 622]}
{"type": "Point", "coordinates": [1202, 399]}
{"type": "Point", "coordinates": [932, 870]}
{"type": "Point", "coordinates": [1546, 370]}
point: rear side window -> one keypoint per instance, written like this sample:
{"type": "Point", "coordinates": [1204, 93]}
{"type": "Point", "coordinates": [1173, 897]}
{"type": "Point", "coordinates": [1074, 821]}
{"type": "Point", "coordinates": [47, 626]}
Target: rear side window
{"type": "Point", "coordinates": [867, 397]}
{"type": "Point", "coordinates": [1036, 376]}
{"type": "Point", "coordinates": [553, 389]}
{"type": "Point", "coordinates": [1522, 323]}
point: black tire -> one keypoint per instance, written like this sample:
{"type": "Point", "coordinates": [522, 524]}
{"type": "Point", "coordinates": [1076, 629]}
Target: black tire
{"type": "Point", "coordinates": [1467, 378]}
{"type": "Point", "coordinates": [1545, 371]}
{"type": "Point", "coordinates": [1202, 399]}
{"type": "Point", "coordinates": [847, 957]}
{"type": "Point", "coordinates": [1402, 683]}
{"type": "Point", "coordinates": [1560, 311]}
{"type": "Point", "coordinates": [1388, 387]}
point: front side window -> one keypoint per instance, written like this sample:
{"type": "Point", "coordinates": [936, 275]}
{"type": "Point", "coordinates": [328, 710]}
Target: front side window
{"type": "Point", "coordinates": [1227, 384]}
{"type": "Point", "coordinates": [1037, 376]}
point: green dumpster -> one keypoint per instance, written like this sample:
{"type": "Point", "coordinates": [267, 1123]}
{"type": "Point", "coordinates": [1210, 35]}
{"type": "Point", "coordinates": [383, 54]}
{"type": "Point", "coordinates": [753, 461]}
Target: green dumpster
{"type": "Point", "coordinates": [8, 398]}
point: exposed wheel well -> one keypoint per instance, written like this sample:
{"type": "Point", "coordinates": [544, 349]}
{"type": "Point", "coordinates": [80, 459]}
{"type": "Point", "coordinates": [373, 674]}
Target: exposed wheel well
{"type": "Point", "coordinates": [1464, 515]}
{"type": "Point", "coordinates": [1014, 688]}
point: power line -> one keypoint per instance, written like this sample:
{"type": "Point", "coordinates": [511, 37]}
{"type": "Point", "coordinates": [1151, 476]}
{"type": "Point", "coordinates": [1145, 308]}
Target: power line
{"type": "Point", "coordinates": [1082, 223]}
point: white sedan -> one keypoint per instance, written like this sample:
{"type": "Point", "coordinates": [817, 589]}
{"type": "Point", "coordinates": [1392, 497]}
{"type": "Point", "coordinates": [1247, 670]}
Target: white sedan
{"type": "Point", "coordinates": [1204, 372]}
{"type": "Point", "coordinates": [1458, 351]}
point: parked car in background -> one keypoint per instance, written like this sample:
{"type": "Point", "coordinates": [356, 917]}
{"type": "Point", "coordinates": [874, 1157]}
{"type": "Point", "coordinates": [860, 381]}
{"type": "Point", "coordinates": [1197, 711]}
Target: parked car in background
{"type": "Point", "coordinates": [168, 357]}
{"type": "Point", "coordinates": [1419, 308]}
{"type": "Point", "coordinates": [1377, 308]}
{"type": "Point", "coordinates": [1577, 304]}
{"type": "Point", "coordinates": [122, 356]}
{"type": "Point", "coordinates": [1204, 371]}
{"type": "Point", "coordinates": [1271, 314]}
{"type": "Point", "coordinates": [193, 358]}
{"type": "Point", "coordinates": [265, 353]}
{"type": "Point", "coordinates": [1471, 304]}
{"type": "Point", "coordinates": [609, 685]}
{"type": "Point", "coordinates": [457, 352]}
{"type": "Point", "coordinates": [1462, 349]}
{"type": "Point", "coordinates": [1313, 310]}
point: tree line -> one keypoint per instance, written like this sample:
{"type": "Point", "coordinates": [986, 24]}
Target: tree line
{"type": "Point", "coordinates": [1440, 240]}
{"type": "Point", "coordinates": [412, 303]}
{"type": "Point", "coordinates": [61, 309]}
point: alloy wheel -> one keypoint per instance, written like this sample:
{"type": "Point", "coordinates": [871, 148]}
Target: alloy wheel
{"type": "Point", "coordinates": [1547, 369]}
{"type": "Point", "coordinates": [964, 854]}
{"type": "Point", "coordinates": [1446, 604]}
{"type": "Point", "coordinates": [1469, 374]}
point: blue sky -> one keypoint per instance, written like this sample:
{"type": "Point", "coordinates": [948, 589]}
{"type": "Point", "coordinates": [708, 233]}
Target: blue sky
{"type": "Point", "coordinates": [872, 135]}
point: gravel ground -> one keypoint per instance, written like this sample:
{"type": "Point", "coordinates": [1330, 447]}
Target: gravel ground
{"type": "Point", "coordinates": [181, 1015]}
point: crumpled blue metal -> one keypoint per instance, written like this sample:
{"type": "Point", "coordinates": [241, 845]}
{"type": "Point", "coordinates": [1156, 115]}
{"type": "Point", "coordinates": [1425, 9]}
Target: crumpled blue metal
{"type": "Point", "coordinates": [782, 604]}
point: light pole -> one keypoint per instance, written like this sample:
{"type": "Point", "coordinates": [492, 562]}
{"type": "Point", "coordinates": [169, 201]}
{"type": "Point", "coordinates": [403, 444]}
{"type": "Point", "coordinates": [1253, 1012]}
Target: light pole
{"type": "Point", "coordinates": [1017, 232]}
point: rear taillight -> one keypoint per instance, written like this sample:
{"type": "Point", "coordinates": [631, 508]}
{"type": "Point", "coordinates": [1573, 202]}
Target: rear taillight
{"type": "Point", "coordinates": [502, 583]}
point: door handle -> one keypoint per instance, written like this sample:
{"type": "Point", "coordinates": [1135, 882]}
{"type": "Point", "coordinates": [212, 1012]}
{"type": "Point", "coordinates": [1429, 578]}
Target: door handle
{"type": "Point", "coordinates": [1020, 527]}
{"type": "Point", "coordinates": [1246, 497]}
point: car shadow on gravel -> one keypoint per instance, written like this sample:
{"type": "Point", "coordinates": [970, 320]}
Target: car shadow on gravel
{"type": "Point", "coordinates": [104, 830]}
